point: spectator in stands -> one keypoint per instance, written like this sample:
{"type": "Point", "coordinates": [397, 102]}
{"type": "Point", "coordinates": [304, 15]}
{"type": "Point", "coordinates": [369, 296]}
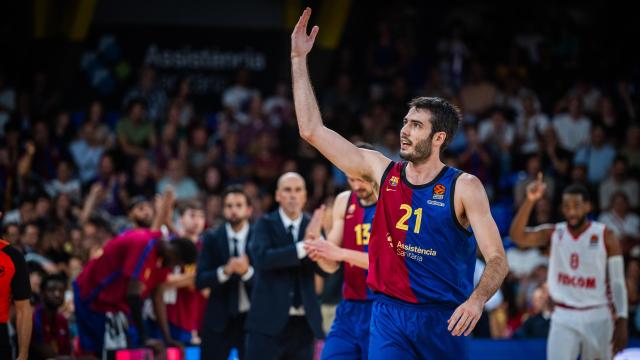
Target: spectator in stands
{"type": "Point", "coordinates": [51, 336]}
{"type": "Point", "coordinates": [146, 89]}
{"type": "Point", "coordinates": [597, 157]}
{"type": "Point", "coordinates": [619, 180]}
{"type": "Point", "coordinates": [539, 319]}
{"type": "Point", "coordinates": [573, 127]}
{"type": "Point", "coordinates": [87, 151]}
{"type": "Point", "coordinates": [141, 181]}
{"type": "Point", "coordinates": [476, 158]}
{"type": "Point", "coordinates": [135, 132]}
{"type": "Point", "coordinates": [64, 183]}
{"type": "Point", "coordinates": [23, 214]}
{"type": "Point", "coordinates": [533, 168]}
{"type": "Point", "coordinates": [175, 176]}
{"type": "Point", "coordinates": [96, 119]}
{"type": "Point", "coordinates": [622, 221]}
{"type": "Point", "coordinates": [556, 156]}
{"type": "Point", "coordinates": [478, 95]}
{"type": "Point", "coordinates": [531, 124]}
{"type": "Point", "coordinates": [240, 93]}
{"type": "Point", "coordinates": [11, 233]}
{"type": "Point", "coordinates": [631, 149]}
{"type": "Point", "coordinates": [182, 102]}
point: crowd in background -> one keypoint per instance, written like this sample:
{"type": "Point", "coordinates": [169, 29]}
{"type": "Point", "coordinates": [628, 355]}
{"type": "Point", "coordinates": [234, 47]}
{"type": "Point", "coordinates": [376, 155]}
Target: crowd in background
{"type": "Point", "coordinates": [70, 179]}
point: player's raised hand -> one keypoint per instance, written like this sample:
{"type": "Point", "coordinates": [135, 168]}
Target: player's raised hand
{"type": "Point", "coordinates": [301, 43]}
{"type": "Point", "coordinates": [465, 318]}
{"type": "Point", "coordinates": [536, 189]}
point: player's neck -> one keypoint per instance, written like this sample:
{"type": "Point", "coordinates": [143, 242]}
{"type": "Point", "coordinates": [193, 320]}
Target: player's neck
{"type": "Point", "coordinates": [424, 172]}
{"type": "Point", "coordinates": [579, 229]}
{"type": "Point", "coordinates": [368, 201]}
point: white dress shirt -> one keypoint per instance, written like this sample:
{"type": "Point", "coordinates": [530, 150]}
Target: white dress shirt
{"type": "Point", "coordinates": [241, 237]}
{"type": "Point", "coordinates": [287, 221]}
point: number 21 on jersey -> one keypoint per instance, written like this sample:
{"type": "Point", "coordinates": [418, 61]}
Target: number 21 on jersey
{"type": "Point", "coordinates": [408, 211]}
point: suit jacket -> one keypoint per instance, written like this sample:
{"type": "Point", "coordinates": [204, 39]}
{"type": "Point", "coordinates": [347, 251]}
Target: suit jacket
{"type": "Point", "coordinates": [277, 269]}
{"type": "Point", "coordinates": [223, 300]}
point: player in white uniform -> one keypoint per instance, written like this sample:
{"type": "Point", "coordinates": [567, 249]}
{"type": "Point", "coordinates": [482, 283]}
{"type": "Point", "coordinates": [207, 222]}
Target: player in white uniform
{"type": "Point", "coordinates": [585, 259]}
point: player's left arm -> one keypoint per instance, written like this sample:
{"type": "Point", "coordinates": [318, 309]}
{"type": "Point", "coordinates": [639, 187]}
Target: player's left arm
{"type": "Point", "coordinates": [473, 199]}
{"type": "Point", "coordinates": [615, 267]}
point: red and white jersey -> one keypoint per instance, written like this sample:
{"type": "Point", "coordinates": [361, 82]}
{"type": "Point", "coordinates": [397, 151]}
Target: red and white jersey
{"type": "Point", "coordinates": [577, 274]}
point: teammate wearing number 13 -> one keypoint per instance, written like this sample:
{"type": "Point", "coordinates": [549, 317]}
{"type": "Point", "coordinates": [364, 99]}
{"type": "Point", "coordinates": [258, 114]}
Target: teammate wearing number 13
{"type": "Point", "coordinates": [421, 254]}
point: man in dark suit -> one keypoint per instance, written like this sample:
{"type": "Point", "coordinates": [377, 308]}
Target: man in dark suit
{"type": "Point", "coordinates": [224, 267]}
{"type": "Point", "coordinates": [285, 311]}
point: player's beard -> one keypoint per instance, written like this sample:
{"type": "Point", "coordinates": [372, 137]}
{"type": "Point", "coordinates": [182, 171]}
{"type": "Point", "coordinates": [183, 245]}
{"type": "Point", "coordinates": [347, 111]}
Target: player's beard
{"type": "Point", "coordinates": [578, 225]}
{"type": "Point", "coordinates": [142, 223]}
{"type": "Point", "coordinates": [422, 151]}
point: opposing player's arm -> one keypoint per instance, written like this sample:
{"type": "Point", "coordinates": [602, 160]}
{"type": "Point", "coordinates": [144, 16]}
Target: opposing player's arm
{"type": "Point", "coordinates": [615, 267]}
{"type": "Point", "coordinates": [476, 207]}
{"type": "Point", "coordinates": [519, 233]}
{"type": "Point", "coordinates": [356, 162]}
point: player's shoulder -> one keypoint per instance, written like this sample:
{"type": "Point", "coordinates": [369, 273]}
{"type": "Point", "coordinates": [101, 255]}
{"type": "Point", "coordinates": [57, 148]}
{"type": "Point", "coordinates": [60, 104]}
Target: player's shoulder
{"type": "Point", "coordinates": [343, 196]}
{"type": "Point", "coordinates": [341, 201]}
{"type": "Point", "coordinates": [466, 183]}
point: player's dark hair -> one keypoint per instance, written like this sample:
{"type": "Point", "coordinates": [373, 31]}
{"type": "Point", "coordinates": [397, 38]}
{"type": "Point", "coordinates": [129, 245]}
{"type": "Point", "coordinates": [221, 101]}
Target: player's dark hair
{"type": "Point", "coordinates": [578, 189]}
{"type": "Point", "coordinates": [185, 250]}
{"type": "Point", "coordinates": [235, 189]}
{"type": "Point", "coordinates": [444, 116]}
{"type": "Point", "coordinates": [189, 205]}
{"type": "Point", "coordinates": [51, 278]}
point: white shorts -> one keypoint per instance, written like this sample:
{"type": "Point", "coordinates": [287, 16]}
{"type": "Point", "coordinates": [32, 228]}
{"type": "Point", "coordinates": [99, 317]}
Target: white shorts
{"type": "Point", "coordinates": [587, 333]}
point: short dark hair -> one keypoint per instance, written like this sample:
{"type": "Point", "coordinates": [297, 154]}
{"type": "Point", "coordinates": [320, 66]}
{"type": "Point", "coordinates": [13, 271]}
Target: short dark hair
{"type": "Point", "coordinates": [51, 278]}
{"type": "Point", "coordinates": [235, 189]}
{"type": "Point", "coordinates": [185, 250]}
{"type": "Point", "coordinates": [444, 116]}
{"type": "Point", "coordinates": [578, 189]}
{"type": "Point", "coordinates": [189, 205]}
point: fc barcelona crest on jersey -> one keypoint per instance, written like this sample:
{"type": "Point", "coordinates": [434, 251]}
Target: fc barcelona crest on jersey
{"type": "Point", "coordinates": [438, 191]}
{"type": "Point", "coordinates": [393, 181]}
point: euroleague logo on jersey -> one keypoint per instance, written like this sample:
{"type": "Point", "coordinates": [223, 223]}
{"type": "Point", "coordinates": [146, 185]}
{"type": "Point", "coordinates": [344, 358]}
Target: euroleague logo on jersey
{"type": "Point", "coordinates": [351, 210]}
{"type": "Point", "coordinates": [593, 242]}
{"type": "Point", "coordinates": [438, 191]}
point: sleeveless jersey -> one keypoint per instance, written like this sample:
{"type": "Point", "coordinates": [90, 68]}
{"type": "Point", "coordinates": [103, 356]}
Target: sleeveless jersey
{"type": "Point", "coordinates": [577, 274]}
{"type": "Point", "coordinates": [419, 252]}
{"type": "Point", "coordinates": [356, 236]}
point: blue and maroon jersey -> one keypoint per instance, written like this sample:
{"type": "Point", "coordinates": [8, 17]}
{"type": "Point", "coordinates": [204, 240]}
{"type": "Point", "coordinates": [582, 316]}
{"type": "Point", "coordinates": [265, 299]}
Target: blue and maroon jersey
{"type": "Point", "coordinates": [419, 252]}
{"type": "Point", "coordinates": [355, 236]}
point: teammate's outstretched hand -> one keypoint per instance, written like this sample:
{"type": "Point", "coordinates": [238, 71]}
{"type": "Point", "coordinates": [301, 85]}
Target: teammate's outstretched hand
{"type": "Point", "coordinates": [620, 336]}
{"type": "Point", "coordinates": [324, 249]}
{"type": "Point", "coordinates": [301, 43]}
{"type": "Point", "coordinates": [536, 189]}
{"type": "Point", "coordinates": [465, 318]}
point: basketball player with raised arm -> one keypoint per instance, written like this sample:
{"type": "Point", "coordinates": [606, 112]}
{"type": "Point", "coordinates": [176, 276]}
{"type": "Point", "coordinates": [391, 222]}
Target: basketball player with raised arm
{"type": "Point", "coordinates": [348, 242]}
{"type": "Point", "coordinates": [421, 250]}
{"type": "Point", "coordinates": [585, 257]}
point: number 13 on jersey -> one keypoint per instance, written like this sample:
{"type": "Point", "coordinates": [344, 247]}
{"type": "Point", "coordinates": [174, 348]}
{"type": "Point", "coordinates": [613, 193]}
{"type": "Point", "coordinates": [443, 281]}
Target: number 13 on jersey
{"type": "Point", "coordinates": [408, 211]}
